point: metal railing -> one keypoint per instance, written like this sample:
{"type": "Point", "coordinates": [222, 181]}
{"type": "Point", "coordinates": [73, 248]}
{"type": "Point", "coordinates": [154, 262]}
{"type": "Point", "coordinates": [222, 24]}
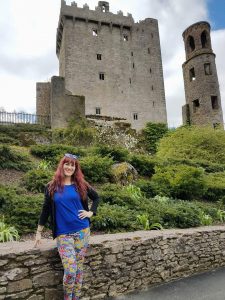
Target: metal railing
{"type": "Point", "coordinates": [24, 118]}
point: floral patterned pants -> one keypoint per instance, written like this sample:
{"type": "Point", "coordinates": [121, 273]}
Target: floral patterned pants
{"type": "Point", "coordinates": [72, 249]}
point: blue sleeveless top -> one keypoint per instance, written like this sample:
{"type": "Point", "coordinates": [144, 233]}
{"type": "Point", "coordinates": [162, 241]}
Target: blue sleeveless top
{"type": "Point", "coordinates": [67, 206]}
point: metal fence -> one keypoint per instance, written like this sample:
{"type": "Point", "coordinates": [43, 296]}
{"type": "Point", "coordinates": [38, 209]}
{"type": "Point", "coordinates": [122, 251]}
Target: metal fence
{"type": "Point", "coordinates": [24, 118]}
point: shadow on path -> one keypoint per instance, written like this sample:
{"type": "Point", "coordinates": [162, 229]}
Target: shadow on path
{"type": "Point", "coordinates": [206, 286]}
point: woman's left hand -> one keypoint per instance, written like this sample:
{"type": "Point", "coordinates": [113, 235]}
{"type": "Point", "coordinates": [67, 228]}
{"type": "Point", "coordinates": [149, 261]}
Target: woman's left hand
{"type": "Point", "coordinates": [85, 214]}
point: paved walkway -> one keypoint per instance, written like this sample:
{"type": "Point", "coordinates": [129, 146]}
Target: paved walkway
{"type": "Point", "coordinates": [207, 286]}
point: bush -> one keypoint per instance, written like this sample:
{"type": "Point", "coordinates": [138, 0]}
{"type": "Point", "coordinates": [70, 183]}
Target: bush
{"type": "Point", "coordinates": [215, 186]}
{"type": "Point", "coordinates": [143, 163]}
{"type": "Point", "coordinates": [54, 152]}
{"type": "Point", "coordinates": [4, 139]}
{"type": "Point", "coordinates": [147, 187]}
{"type": "Point", "coordinates": [7, 233]}
{"type": "Point", "coordinates": [96, 168]}
{"type": "Point", "coordinates": [118, 154]}
{"type": "Point", "coordinates": [180, 181]}
{"type": "Point", "coordinates": [151, 135]}
{"type": "Point", "coordinates": [113, 218]}
{"type": "Point", "coordinates": [20, 210]}
{"type": "Point", "coordinates": [12, 159]}
{"type": "Point", "coordinates": [36, 180]}
{"type": "Point", "coordinates": [201, 145]}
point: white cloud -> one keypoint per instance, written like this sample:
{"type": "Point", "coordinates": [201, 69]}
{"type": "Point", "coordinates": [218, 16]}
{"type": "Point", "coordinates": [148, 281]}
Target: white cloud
{"type": "Point", "coordinates": [27, 53]}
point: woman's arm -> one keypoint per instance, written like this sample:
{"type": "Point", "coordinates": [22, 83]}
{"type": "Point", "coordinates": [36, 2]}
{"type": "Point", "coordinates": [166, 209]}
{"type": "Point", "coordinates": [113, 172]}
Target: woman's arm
{"type": "Point", "coordinates": [93, 195]}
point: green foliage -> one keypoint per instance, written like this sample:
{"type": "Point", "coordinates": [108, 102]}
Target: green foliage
{"type": "Point", "coordinates": [113, 218]}
{"type": "Point", "coordinates": [7, 233]}
{"type": "Point", "coordinates": [143, 163]}
{"type": "Point", "coordinates": [205, 219]}
{"type": "Point", "coordinates": [180, 181]}
{"type": "Point", "coordinates": [78, 133]}
{"type": "Point", "coordinates": [203, 146]}
{"type": "Point", "coordinates": [54, 152]}
{"type": "Point", "coordinates": [36, 180]}
{"type": "Point", "coordinates": [96, 168]}
{"type": "Point", "coordinates": [4, 139]}
{"type": "Point", "coordinates": [144, 221]}
{"type": "Point", "coordinates": [20, 209]}
{"type": "Point", "coordinates": [215, 186]}
{"type": "Point", "coordinates": [151, 135]}
{"type": "Point", "coordinates": [13, 159]}
{"type": "Point", "coordinates": [118, 154]}
{"type": "Point", "coordinates": [123, 173]}
{"type": "Point", "coordinates": [147, 187]}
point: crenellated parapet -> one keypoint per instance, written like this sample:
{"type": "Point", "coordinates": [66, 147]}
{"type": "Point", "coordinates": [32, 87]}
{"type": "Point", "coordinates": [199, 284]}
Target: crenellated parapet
{"type": "Point", "coordinates": [101, 15]}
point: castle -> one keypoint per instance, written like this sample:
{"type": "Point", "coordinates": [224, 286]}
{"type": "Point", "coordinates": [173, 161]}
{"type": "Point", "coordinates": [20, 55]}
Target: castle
{"type": "Point", "coordinates": [108, 66]}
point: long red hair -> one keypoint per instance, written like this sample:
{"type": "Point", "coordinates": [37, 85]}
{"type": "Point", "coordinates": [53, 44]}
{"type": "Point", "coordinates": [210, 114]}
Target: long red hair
{"type": "Point", "coordinates": [77, 178]}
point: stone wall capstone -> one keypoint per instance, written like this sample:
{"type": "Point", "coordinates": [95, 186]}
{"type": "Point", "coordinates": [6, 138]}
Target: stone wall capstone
{"type": "Point", "coordinates": [115, 263]}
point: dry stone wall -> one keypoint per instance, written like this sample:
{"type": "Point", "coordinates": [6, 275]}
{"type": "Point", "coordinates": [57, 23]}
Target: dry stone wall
{"type": "Point", "coordinates": [115, 263]}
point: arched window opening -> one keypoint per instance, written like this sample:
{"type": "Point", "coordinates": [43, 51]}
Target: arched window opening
{"type": "Point", "coordinates": [191, 43]}
{"type": "Point", "coordinates": [204, 39]}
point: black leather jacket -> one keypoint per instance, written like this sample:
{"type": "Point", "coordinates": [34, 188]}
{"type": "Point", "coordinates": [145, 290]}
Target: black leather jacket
{"type": "Point", "coordinates": [48, 208]}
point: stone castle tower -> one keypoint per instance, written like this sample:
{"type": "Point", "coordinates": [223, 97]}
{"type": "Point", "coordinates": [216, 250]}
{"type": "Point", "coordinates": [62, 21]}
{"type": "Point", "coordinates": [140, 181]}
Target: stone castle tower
{"type": "Point", "coordinates": [113, 62]}
{"type": "Point", "coordinates": [203, 102]}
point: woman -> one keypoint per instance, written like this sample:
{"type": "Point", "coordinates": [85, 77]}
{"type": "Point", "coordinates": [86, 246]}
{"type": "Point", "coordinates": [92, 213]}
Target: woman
{"type": "Point", "coordinates": [66, 202]}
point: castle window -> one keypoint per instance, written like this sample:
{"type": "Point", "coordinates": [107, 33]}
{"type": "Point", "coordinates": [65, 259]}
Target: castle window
{"type": "Point", "coordinates": [132, 54]}
{"type": "Point", "coordinates": [196, 105]}
{"type": "Point", "coordinates": [99, 57]}
{"type": "Point", "coordinates": [148, 50]}
{"type": "Point", "coordinates": [216, 125]}
{"type": "Point", "coordinates": [214, 101]}
{"type": "Point", "coordinates": [125, 37]}
{"type": "Point", "coordinates": [130, 80]}
{"type": "Point", "coordinates": [204, 39]}
{"type": "Point", "coordinates": [207, 68]}
{"type": "Point", "coordinates": [150, 70]}
{"type": "Point", "coordinates": [152, 35]}
{"type": "Point", "coordinates": [135, 116]}
{"type": "Point", "coordinates": [153, 103]}
{"type": "Point", "coordinates": [101, 76]}
{"type": "Point", "coordinates": [152, 87]}
{"type": "Point", "coordinates": [191, 43]}
{"type": "Point", "coordinates": [192, 74]}
{"type": "Point", "coordinates": [97, 110]}
{"type": "Point", "coordinates": [95, 32]}
{"type": "Point", "coordinates": [103, 8]}
{"type": "Point", "coordinates": [133, 65]}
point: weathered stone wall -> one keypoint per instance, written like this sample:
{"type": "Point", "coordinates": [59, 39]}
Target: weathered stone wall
{"type": "Point", "coordinates": [115, 264]}
{"type": "Point", "coordinates": [43, 96]}
{"type": "Point", "coordinates": [133, 76]}
{"type": "Point", "coordinates": [64, 105]}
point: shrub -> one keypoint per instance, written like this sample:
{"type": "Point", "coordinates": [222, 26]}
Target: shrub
{"type": "Point", "coordinates": [36, 180]}
{"type": "Point", "coordinates": [123, 173]}
{"type": "Point", "coordinates": [143, 163]}
{"type": "Point", "coordinates": [113, 218]}
{"type": "Point", "coordinates": [12, 159]}
{"type": "Point", "coordinates": [4, 139]}
{"type": "Point", "coordinates": [96, 168]}
{"type": "Point", "coordinates": [215, 184]}
{"type": "Point", "coordinates": [147, 187]}
{"type": "Point", "coordinates": [201, 145]}
{"type": "Point", "coordinates": [151, 135]}
{"type": "Point", "coordinates": [54, 152]}
{"type": "Point", "coordinates": [118, 154]}
{"type": "Point", "coordinates": [180, 181]}
{"type": "Point", "coordinates": [7, 233]}
{"type": "Point", "coordinates": [19, 209]}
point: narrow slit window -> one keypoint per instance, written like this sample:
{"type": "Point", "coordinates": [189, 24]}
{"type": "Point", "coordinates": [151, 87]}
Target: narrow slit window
{"type": "Point", "coordinates": [196, 105]}
{"type": "Point", "coordinates": [207, 68]}
{"type": "Point", "coordinates": [148, 50]}
{"type": "Point", "coordinates": [135, 116]}
{"type": "Point", "coordinates": [95, 32]}
{"type": "Point", "coordinates": [125, 37]}
{"type": "Point", "coordinates": [99, 57]}
{"type": "Point", "coordinates": [133, 65]}
{"type": "Point", "coordinates": [192, 74]}
{"type": "Point", "coordinates": [150, 70]}
{"type": "Point", "coordinates": [97, 110]}
{"type": "Point", "coordinates": [214, 101]}
{"type": "Point", "coordinates": [101, 76]}
{"type": "Point", "coordinates": [130, 80]}
{"type": "Point", "coordinates": [152, 87]}
{"type": "Point", "coordinates": [132, 54]}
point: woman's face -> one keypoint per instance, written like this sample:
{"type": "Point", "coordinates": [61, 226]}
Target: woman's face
{"type": "Point", "coordinates": [68, 168]}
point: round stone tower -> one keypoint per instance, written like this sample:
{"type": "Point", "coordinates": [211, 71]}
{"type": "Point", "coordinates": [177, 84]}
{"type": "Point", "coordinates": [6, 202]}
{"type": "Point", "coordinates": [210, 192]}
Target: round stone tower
{"type": "Point", "coordinates": [203, 102]}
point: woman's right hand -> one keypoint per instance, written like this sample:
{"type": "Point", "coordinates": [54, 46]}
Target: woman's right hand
{"type": "Point", "coordinates": [37, 239]}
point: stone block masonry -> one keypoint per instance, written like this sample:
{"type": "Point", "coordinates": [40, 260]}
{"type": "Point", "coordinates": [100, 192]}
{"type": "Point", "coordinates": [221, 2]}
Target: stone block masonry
{"type": "Point", "coordinates": [115, 263]}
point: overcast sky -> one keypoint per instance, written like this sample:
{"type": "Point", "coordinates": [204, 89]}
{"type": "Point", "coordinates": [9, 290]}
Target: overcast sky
{"type": "Point", "coordinates": [27, 49]}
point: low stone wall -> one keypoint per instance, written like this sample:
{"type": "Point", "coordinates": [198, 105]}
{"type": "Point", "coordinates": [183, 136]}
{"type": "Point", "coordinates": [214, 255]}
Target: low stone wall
{"type": "Point", "coordinates": [115, 263]}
